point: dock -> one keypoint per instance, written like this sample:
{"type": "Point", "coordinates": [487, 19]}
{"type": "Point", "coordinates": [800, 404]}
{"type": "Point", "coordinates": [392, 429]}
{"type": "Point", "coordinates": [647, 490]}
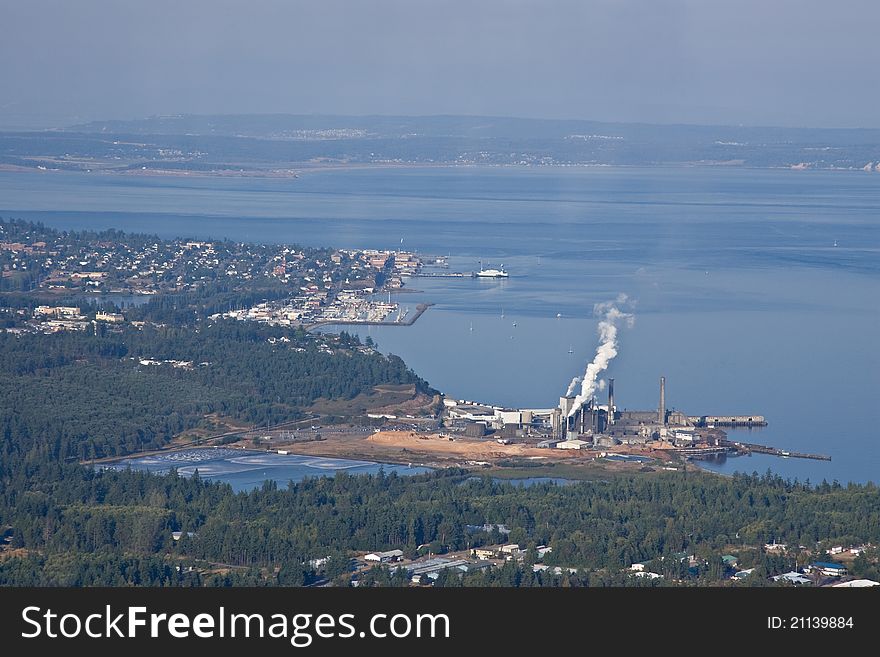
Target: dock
{"type": "Point", "coordinates": [420, 309]}
{"type": "Point", "coordinates": [728, 420]}
{"type": "Point", "coordinates": [748, 448]}
{"type": "Point", "coordinates": [697, 452]}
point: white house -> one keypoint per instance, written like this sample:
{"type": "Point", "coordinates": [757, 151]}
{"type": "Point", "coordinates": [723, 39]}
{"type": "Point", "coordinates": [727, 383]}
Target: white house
{"type": "Point", "coordinates": [794, 577]}
{"type": "Point", "coordinates": [648, 574]}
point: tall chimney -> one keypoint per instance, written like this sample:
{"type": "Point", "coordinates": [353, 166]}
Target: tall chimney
{"type": "Point", "coordinates": [661, 417]}
{"type": "Point", "coordinates": [610, 419]}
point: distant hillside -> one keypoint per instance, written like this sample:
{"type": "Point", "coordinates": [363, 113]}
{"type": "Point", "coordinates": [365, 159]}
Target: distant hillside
{"type": "Point", "coordinates": [264, 143]}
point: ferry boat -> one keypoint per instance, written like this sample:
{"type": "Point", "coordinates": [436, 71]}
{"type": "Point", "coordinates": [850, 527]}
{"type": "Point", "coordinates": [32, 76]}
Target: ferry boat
{"type": "Point", "coordinates": [491, 273]}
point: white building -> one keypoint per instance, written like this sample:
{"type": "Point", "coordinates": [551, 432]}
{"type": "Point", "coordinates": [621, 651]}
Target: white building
{"type": "Point", "coordinates": [794, 577]}
{"type": "Point", "coordinates": [828, 569]}
{"type": "Point", "coordinates": [647, 573]}
{"type": "Point", "coordinates": [384, 557]}
{"type": "Point", "coordinates": [510, 417]}
{"type": "Point", "coordinates": [775, 547]}
{"type": "Point", "coordinates": [858, 584]}
{"type": "Point", "coordinates": [113, 318]}
{"type": "Point", "coordinates": [572, 444]}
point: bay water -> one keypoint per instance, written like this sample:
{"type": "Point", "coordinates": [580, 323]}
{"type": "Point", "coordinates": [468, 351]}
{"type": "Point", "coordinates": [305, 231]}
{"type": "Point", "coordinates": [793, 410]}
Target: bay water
{"type": "Point", "coordinates": [754, 291]}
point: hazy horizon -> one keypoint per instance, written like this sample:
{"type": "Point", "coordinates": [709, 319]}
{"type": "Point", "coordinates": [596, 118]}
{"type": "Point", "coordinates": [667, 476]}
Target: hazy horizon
{"type": "Point", "coordinates": [341, 115]}
{"type": "Point", "coordinates": [794, 63]}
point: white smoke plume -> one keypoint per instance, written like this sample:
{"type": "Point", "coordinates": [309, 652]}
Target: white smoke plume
{"type": "Point", "coordinates": [575, 382]}
{"type": "Point", "coordinates": [612, 318]}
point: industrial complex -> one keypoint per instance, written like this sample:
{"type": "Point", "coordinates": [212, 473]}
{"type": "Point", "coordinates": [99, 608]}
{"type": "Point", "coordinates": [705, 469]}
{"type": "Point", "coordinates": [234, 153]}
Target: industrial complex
{"type": "Point", "coordinates": [575, 425]}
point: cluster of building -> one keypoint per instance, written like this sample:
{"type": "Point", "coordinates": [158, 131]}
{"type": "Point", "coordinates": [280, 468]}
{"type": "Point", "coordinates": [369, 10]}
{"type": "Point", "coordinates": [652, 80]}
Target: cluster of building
{"type": "Point", "coordinates": [135, 264]}
{"type": "Point", "coordinates": [52, 319]}
{"type": "Point", "coordinates": [425, 570]}
{"type": "Point", "coordinates": [605, 425]}
{"type": "Point", "coordinates": [816, 573]}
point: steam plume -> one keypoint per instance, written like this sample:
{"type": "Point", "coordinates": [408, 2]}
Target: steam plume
{"type": "Point", "coordinates": [612, 318]}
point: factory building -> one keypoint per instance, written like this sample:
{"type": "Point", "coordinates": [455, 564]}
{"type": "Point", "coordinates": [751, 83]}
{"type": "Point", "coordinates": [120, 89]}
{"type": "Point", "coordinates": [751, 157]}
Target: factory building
{"type": "Point", "coordinates": [606, 425]}
{"type": "Point", "coordinates": [576, 425]}
{"type": "Point", "coordinates": [510, 423]}
{"type": "Point", "coordinates": [589, 420]}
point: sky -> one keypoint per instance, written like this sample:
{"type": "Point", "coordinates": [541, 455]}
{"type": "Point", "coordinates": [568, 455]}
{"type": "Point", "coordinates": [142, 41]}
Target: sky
{"type": "Point", "coordinates": [808, 63]}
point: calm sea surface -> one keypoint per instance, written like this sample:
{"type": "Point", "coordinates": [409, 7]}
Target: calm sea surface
{"type": "Point", "coordinates": [755, 291]}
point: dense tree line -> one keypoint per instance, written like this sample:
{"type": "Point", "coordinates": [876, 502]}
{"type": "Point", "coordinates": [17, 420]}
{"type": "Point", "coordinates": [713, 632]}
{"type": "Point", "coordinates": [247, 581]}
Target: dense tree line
{"type": "Point", "coordinates": [56, 511]}
{"type": "Point", "coordinates": [82, 396]}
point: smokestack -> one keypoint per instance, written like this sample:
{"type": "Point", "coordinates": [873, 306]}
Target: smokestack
{"type": "Point", "coordinates": [566, 422]}
{"type": "Point", "coordinates": [610, 420]}
{"type": "Point", "coordinates": [566, 404]}
{"type": "Point", "coordinates": [661, 417]}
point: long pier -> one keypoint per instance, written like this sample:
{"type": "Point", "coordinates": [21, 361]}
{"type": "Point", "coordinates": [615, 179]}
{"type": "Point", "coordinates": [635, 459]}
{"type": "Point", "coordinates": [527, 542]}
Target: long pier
{"type": "Point", "coordinates": [702, 451]}
{"type": "Point", "coordinates": [728, 420]}
{"type": "Point", "coordinates": [775, 451]}
{"type": "Point", "coordinates": [443, 274]}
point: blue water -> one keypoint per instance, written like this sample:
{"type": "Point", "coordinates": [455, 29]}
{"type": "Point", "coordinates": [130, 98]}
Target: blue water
{"type": "Point", "coordinates": [247, 469]}
{"type": "Point", "coordinates": [742, 299]}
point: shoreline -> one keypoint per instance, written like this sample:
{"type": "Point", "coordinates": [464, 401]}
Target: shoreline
{"type": "Point", "coordinates": [300, 169]}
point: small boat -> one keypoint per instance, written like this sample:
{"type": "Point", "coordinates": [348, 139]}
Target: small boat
{"type": "Point", "coordinates": [514, 325]}
{"type": "Point", "coordinates": [570, 350]}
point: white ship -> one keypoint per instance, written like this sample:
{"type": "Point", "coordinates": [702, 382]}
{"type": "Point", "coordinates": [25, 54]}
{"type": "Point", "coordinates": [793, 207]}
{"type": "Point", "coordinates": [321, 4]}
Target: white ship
{"type": "Point", "coordinates": [491, 273]}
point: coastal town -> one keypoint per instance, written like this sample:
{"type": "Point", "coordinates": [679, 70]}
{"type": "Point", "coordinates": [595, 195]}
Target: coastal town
{"type": "Point", "coordinates": [274, 284]}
